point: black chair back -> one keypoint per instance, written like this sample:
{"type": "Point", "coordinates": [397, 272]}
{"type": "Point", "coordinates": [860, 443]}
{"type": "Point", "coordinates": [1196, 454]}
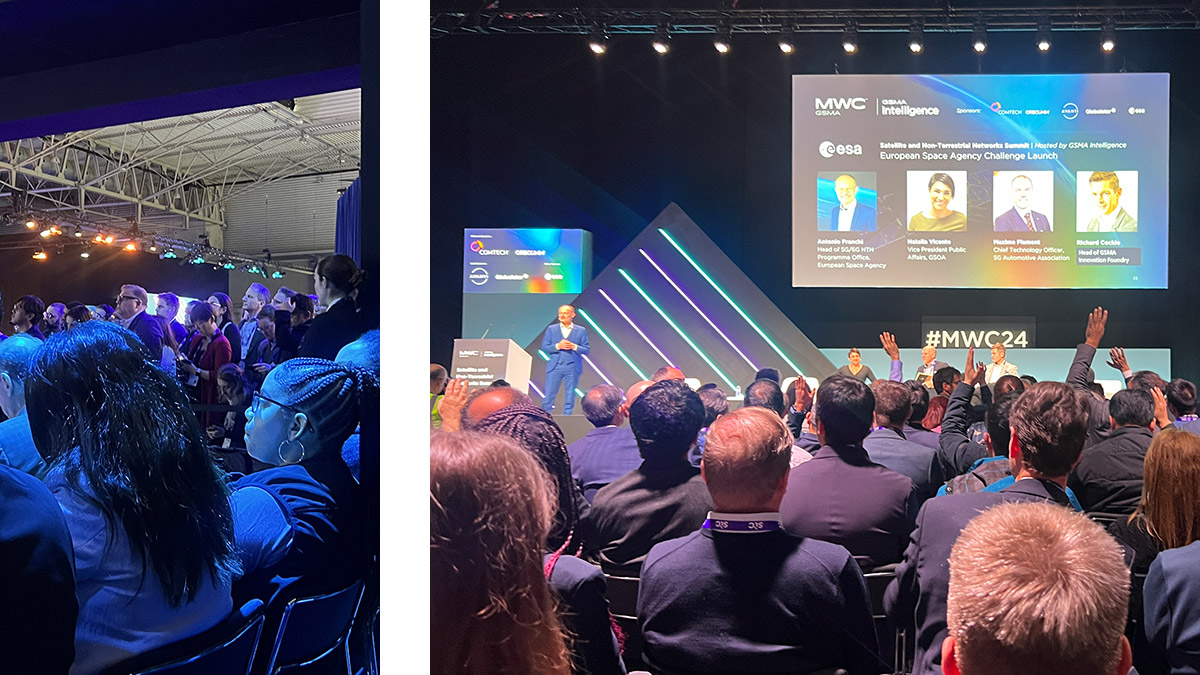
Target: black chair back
{"type": "Point", "coordinates": [313, 632]}
{"type": "Point", "coordinates": [622, 596]}
{"type": "Point", "coordinates": [891, 640]}
{"type": "Point", "coordinates": [228, 647]}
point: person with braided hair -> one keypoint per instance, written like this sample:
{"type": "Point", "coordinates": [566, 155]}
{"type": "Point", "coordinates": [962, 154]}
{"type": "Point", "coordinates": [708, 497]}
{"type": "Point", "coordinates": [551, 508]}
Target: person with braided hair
{"type": "Point", "coordinates": [299, 523]}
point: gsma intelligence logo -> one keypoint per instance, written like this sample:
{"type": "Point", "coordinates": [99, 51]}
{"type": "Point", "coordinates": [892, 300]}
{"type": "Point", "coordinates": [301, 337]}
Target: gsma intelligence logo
{"type": "Point", "coordinates": [835, 106]}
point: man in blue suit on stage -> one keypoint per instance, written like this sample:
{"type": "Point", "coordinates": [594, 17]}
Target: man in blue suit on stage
{"type": "Point", "coordinates": [1022, 218]}
{"type": "Point", "coordinates": [565, 344]}
{"type": "Point", "coordinates": [849, 215]}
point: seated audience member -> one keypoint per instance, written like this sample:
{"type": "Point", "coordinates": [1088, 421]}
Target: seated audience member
{"type": "Point", "coordinates": [212, 351]}
{"type": "Point", "coordinates": [742, 594]}
{"type": "Point", "coordinates": [1050, 424]}
{"type": "Point", "coordinates": [607, 452]}
{"type": "Point", "coordinates": [363, 353]}
{"type": "Point", "coordinates": [166, 305]}
{"type": "Point", "coordinates": [841, 496]}
{"type": "Point", "coordinates": [1108, 477]}
{"type": "Point", "coordinates": [491, 608]}
{"type": "Point", "coordinates": [437, 384]}
{"type": "Point", "coordinates": [663, 498]}
{"type": "Point", "coordinates": [1081, 366]}
{"type": "Point", "coordinates": [1171, 595]}
{"type": "Point", "coordinates": [766, 393]}
{"type": "Point", "coordinates": [1028, 379]}
{"type": "Point", "coordinates": [993, 467]}
{"type": "Point", "coordinates": [667, 373]}
{"type": "Point", "coordinates": [52, 321]}
{"type": "Point", "coordinates": [1034, 589]}
{"type": "Point", "coordinates": [716, 403]}
{"type": "Point", "coordinates": [336, 279]}
{"type": "Point", "coordinates": [222, 306]}
{"type": "Point", "coordinates": [299, 522]}
{"type": "Point", "coordinates": [798, 400]}
{"type": "Point", "coordinates": [16, 441]}
{"type": "Point", "coordinates": [148, 511]}
{"type": "Point", "coordinates": [76, 315]}
{"type": "Point", "coordinates": [26, 315]}
{"type": "Point", "coordinates": [957, 451]}
{"type": "Point", "coordinates": [768, 374]}
{"type": "Point", "coordinates": [914, 430]}
{"type": "Point", "coordinates": [292, 320]}
{"type": "Point", "coordinates": [232, 389]}
{"type": "Point", "coordinates": [886, 444]}
{"type": "Point", "coordinates": [131, 302]}
{"type": "Point", "coordinates": [1181, 403]}
{"type": "Point", "coordinates": [944, 382]}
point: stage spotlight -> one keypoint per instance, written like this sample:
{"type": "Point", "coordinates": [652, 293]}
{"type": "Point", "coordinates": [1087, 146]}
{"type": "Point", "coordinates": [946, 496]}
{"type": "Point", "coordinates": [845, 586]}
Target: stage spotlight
{"type": "Point", "coordinates": [850, 39]}
{"type": "Point", "coordinates": [787, 44]}
{"type": "Point", "coordinates": [78, 232]}
{"type": "Point", "coordinates": [45, 233]}
{"type": "Point", "coordinates": [153, 247]}
{"type": "Point", "coordinates": [662, 40]}
{"type": "Point", "coordinates": [277, 274]}
{"type": "Point", "coordinates": [721, 41]}
{"type": "Point", "coordinates": [916, 38]}
{"type": "Point", "coordinates": [131, 246]}
{"type": "Point", "coordinates": [254, 269]}
{"type": "Point", "coordinates": [170, 254]}
{"type": "Point", "coordinates": [1108, 36]}
{"type": "Point", "coordinates": [39, 254]}
{"type": "Point", "coordinates": [198, 260]}
{"type": "Point", "coordinates": [108, 239]}
{"type": "Point", "coordinates": [1043, 36]}
{"type": "Point", "coordinates": [31, 224]}
{"type": "Point", "coordinates": [86, 253]}
{"type": "Point", "coordinates": [598, 40]}
{"type": "Point", "coordinates": [226, 264]}
{"type": "Point", "coordinates": [979, 38]}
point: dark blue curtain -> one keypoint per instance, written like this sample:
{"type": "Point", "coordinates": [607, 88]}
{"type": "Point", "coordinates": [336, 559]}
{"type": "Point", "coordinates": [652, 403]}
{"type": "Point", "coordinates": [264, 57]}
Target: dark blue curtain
{"type": "Point", "coordinates": [348, 237]}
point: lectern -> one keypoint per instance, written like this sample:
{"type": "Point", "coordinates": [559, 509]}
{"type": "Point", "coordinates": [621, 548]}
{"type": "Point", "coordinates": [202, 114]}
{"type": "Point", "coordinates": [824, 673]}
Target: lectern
{"type": "Point", "coordinates": [481, 361]}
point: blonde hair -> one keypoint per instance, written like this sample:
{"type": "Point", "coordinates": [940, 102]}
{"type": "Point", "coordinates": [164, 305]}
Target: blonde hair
{"type": "Point", "coordinates": [746, 455]}
{"type": "Point", "coordinates": [491, 609]}
{"type": "Point", "coordinates": [1036, 588]}
{"type": "Point", "coordinates": [1171, 491]}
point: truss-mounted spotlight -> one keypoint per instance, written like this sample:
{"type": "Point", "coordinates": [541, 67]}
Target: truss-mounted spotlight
{"type": "Point", "coordinates": [979, 38]}
{"type": "Point", "coordinates": [598, 40]}
{"type": "Point", "coordinates": [227, 264]}
{"type": "Point", "coordinates": [662, 40]}
{"type": "Point", "coordinates": [916, 37]}
{"type": "Point", "coordinates": [850, 39]}
{"type": "Point", "coordinates": [198, 260]}
{"type": "Point", "coordinates": [254, 269]}
{"type": "Point", "coordinates": [170, 254]}
{"type": "Point", "coordinates": [78, 232]}
{"type": "Point", "coordinates": [30, 223]}
{"type": "Point", "coordinates": [86, 252]}
{"type": "Point", "coordinates": [1043, 36]}
{"type": "Point", "coordinates": [277, 274]}
{"type": "Point", "coordinates": [787, 43]}
{"type": "Point", "coordinates": [40, 254]}
{"type": "Point", "coordinates": [153, 247]}
{"type": "Point", "coordinates": [45, 233]}
{"type": "Point", "coordinates": [1108, 36]}
{"type": "Point", "coordinates": [722, 41]}
{"type": "Point", "coordinates": [130, 246]}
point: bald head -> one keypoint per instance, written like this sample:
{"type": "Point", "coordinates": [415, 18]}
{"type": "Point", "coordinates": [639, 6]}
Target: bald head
{"type": "Point", "coordinates": [437, 378]}
{"type": "Point", "coordinates": [667, 373]}
{"type": "Point", "coordinates": [484, 402]}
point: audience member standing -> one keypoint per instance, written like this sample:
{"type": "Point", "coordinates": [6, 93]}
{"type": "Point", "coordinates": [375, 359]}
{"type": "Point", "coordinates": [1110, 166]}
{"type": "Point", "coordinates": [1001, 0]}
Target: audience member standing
{"type": "Point", "coordinates": [742, 594]}
{"type": "Point", "coordinates": [167, 306]}
{"type": "Point", "coordinates": [223, 308]}
{"type": "Point", "coordinates": [16, 441]}
{"type": "Point", "coordinates": [293, 318]}
{"type": "Point", "coordinates": [213, 351]}
{"type": "Point", "coordinates": [131, 311]}
{"type": "Point", "coordinates": [52, 321]}
{"type": "Point", "coordinates": [76, 315]}
{"type": "Point", "coordinates": [264, 353]}
{"type": "Point", "coordinates": [841, 496]}
{"type": "Point", "coordinates": [336, 280]}
{"type": "Point", "coordinates": [27, 314]}
{"type": "Point", "coordinates": [253, 302]}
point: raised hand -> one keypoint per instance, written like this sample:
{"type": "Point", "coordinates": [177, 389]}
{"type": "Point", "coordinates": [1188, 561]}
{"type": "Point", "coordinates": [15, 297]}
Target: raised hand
{"type": "Point", "coordinates": [1095, 327]}
{"type": "Point", "coordinates": [1116, 359]}
{"type": "Point", "coordinates": [1161, 416]}
{"type": "Point", "coordinates": [451, 405]}
{"type": "Point", "coordinates": [889, 345]}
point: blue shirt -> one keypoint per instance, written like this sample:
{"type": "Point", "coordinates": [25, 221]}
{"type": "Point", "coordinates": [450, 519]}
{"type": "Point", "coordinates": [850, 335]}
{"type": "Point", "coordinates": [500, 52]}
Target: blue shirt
{"type": "Point", "coordinates": [1005, 482]}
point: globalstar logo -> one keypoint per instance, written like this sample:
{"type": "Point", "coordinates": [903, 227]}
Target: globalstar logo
{"type": "Point", "coordinates": [477, 246]}
{"type": "Point", "coordinates": [835, 106]}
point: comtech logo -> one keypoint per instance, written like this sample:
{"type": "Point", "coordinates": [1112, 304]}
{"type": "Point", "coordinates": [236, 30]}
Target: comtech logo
{"type": "Point", "coordinates": [829, 149]}
{"type": "Point", "coordinates": [477, 246]}
{"type": "Point", "coordinates": [835, 106]}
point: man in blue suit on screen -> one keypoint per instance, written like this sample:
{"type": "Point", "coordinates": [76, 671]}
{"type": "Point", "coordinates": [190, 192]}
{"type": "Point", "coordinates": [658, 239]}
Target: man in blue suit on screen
{"type": "Point", "coordinates": [1022, 218]}
{"type": "Point", "coordinates": [565, 344]}
{"type": "Point", "coordinates": [849, 215]}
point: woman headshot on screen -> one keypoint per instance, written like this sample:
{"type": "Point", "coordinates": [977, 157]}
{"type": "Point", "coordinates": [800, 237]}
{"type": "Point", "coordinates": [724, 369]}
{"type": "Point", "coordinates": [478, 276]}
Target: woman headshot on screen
{"type": "Point", "coordinates": [939, 217]}
{"type": "Point", "coordinates": [856, 369]}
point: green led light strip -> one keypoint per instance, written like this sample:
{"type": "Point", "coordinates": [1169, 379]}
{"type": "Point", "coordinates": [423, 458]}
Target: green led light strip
{"type": "Point", "coordinates": [612, 344]}
{"type": "Point", "coordinates": [795, 368]}
{"type": "Point", "coordinates": [543, 355]}
{"type": "Point", "coordinates": [686, 339]}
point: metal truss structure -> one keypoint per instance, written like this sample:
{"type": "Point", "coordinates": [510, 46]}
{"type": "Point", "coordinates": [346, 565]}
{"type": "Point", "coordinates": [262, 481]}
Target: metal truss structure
{"type": "Point", "coordinates": [501, 18]}
{"type": "Point", "coordinates": [161, 178]}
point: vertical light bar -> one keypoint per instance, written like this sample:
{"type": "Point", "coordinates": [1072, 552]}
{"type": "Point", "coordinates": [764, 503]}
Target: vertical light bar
{"type": "Point", "coordinates": [598, 371]}
{"type": "Point", "coordinates": [698, 310]}
{"type": "Point", "coordinates": [794, 367]}
{"type": "Point", "coordinates": [539, 391]}
{"type": "Point", "coordinates": [543, 355]}
{"type": "Point", "coordinates": [612, 344]}
{"type": "Point", "coordinates": [639, 330]}
{"type": "Point", "coordinates": [677, 330]}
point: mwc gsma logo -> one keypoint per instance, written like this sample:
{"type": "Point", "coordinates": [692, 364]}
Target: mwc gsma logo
{"type": "Point", "coordinates": [835, 106]}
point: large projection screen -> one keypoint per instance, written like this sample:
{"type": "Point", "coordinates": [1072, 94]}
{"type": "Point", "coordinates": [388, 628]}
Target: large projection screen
{"type": "Point", "coordinates": [980, 181]}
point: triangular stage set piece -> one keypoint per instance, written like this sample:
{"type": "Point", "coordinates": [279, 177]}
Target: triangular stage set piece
{"type": "Point", "coordinates": [672, 297]}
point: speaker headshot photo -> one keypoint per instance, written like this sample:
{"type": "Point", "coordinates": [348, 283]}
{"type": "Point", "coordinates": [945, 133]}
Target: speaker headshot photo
{"type": "Point", "coordinates": [1028, 196]}
{"type": "Point", "coordinates": [846, 202]}
{"type": "Point", "coordinates": [936, 202]}
{"type": "Point", "coordinates": [1106, 201]}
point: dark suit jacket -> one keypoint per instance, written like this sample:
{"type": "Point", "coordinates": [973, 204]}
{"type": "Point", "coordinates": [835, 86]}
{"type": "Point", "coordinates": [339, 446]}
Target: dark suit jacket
{"type": "Point", "coordinates": [645, 506]}
{"type": "Point", "coordinates": [584, 610]}
{"type": "Point", "coordinates": [179, 332]}
{"type": "Point", "coordinates": [863, 220]}
{"type": "Point", "coordinates": [770, 602]}
{"type": "Point", "coordinates": [150, 329]}
{"type": "Point", "coordinates": [1011, 221]}
{"type": "Point", "coordinates": [329, 332]}
{"type": "Point", "coordinates": [1077, 377]}
{"type": "Point", "coordinates": [957, 453]}
{"type": "Point", "coordinates": [841, 496]}
{"type": "Point", "coordinates": [1109, 475]}
{"type": "Point", "coordinates": [921, 435]}
{"type": "Point", "coordinates": [917, 597]}
{"type": "Point", "coordinates": [38, 607]}
{"type": "Point", "coordinates": [1171, 597]}
{"type": "Point", "coordinates": [565, 357]}
{"type": "Point", "coordinates": [918, 462]}
{"type": "Point", "coordinates": [602, 456]}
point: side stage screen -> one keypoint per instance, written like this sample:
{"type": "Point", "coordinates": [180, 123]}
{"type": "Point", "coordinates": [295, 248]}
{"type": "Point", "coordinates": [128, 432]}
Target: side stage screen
{"type": "Point", "coordinates": [980, 181]}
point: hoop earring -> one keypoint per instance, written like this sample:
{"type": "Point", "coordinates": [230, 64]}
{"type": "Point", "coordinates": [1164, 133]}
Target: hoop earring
{"type": "Point", "coordinates": [279, 451]}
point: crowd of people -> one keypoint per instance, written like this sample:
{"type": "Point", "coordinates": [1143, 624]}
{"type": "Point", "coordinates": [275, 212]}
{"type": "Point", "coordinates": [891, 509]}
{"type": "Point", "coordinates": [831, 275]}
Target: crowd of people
{"type": "Point", "coordinates": [1030, 526]}
{"type": "Point", "coordinates": [125, 526]}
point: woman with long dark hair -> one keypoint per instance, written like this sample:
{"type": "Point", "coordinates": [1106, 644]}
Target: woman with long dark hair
{"type": "Point", "coordinates": [336, 280]}
{"type": "Point", "coordinates": [147, 509]}
{"type": "Point", "coordinates": [223, 308]}
{"type": "Point", "coordinates": [491, 610]}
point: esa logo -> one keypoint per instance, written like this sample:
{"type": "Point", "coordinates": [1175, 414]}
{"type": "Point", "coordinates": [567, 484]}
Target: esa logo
{"type": "Point", "coordinates": [829, 149]}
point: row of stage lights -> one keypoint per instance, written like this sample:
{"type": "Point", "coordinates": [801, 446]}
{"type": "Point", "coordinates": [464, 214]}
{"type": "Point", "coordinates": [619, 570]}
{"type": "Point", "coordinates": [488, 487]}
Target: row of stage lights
{"type": "Point", "coordinates": [598, 39]}
{"type": "Point", "coordinates": [196, 255]}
